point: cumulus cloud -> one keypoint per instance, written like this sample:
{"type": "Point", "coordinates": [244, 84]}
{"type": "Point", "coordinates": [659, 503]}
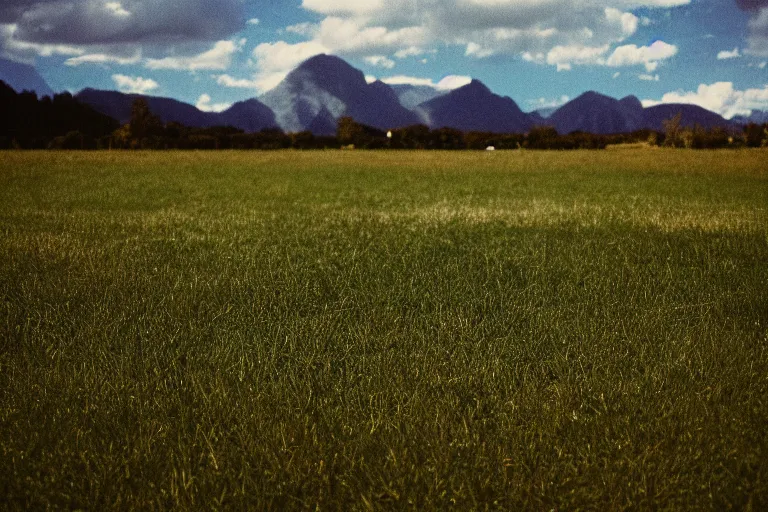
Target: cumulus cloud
{"type": "Point", "coordinates": [89, 22]}
{"type": "Point", "coordinates": [217, 58]}
{"type": "Point", "coordinates": [546, 103]}
{"type": "Point", "coordinates": [648, 56]}
{"type": "Point", "coordinates": [563, 34]}
{"type": "Point", "coordinates": [204, 104]}
{"type": "Point", "coordinates": [104, 59]}
{"type": "Point", "coordinates": [564, 57]}
{"type": "Point", "coordinates": [137, 84]}
{"type": "Point", "coordinates": [15, 49]}
{"type": "Point", "coordinates": [380, 61]}
{"type": "Point", "coordinates": [725, 54]}
{"type": "Point", "coordinates": [411, 51]}
{"type": "Point", "coordinates": [448, 83]}
{"type": "Point", "coordinates": [720, 97]}
{"type": "Point", "coordinates": [237, 83]}
{"type": "Point", "coordinates": [501, 26]}
{"type": "Point", "coordinates": [274, 61]}
{"type": "Point", "coordinates": [649, 77]}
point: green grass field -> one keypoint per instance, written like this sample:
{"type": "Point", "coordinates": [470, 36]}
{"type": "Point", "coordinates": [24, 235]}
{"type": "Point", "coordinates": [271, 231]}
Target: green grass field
{"type": "Point", "coordinates": [384, 330]}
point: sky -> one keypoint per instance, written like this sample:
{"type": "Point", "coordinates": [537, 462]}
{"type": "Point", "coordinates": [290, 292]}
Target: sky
{"type": "Point", "coordinates": [541, 53]}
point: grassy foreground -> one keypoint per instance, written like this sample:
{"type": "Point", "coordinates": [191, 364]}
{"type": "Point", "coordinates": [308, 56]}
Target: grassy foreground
{"type": "Point", "coordinates": [384, 330]}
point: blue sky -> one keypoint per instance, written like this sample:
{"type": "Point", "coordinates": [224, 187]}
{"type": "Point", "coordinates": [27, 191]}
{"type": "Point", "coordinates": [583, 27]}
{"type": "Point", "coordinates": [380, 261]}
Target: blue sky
{"type": "Point", "coordinates": [539, 52]}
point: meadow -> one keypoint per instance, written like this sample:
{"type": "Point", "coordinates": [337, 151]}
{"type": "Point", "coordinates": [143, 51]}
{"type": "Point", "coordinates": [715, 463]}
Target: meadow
{"type": "Point", "coordinates": [384, 330]}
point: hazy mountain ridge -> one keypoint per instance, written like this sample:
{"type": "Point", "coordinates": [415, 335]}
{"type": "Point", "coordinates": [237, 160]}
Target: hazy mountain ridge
{"type": "Point", "coordinates": [249, 115]}
{"type": "Point", "coordinates": [597, 113]}
{"type": "Point", "coordinates": [756, 116]}
{"type": "Point", "coordinates": [324, 88]}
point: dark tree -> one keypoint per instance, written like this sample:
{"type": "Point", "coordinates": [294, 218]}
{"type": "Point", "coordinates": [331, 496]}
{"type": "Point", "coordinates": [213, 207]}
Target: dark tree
{"type": "Point", "coordinates": [144, 124]}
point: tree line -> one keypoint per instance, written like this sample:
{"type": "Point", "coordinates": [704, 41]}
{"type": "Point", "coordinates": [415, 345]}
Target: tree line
{"type": "Point", "coordinates": [62, 122]}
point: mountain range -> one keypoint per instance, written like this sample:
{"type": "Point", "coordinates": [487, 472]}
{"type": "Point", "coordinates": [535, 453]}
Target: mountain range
{"type": "Point", "coordinates": [250, 115]}
{"type": "Point", "coordinates": [324, 88]}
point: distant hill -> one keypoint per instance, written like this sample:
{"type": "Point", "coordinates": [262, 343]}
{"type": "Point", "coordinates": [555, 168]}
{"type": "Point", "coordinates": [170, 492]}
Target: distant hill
{"type": "Point", "coordinates": [596, 113]}
{"type": "Point", "coordinates": [475, 108]}
{"type": "Point", "coordinates": [250, 115]}
{"type": "Point", "coordinates": [692, 115]}
{"type": "Point", "coordinates": [23, 77]}
{"type": "Point", "coordinates": [599, 114]}
{"type": "Point", "coordinates": [325, 87]}
{"type": "Point", "coordinates": [756, 116]}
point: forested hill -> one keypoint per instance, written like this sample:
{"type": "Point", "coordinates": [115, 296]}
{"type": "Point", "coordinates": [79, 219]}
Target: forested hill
{"type": "Point", "coordinates": [31, 122]}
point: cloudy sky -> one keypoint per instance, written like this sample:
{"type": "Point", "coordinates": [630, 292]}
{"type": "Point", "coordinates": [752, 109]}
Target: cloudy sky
{"type": "Point", "coordinates": [539, 52]}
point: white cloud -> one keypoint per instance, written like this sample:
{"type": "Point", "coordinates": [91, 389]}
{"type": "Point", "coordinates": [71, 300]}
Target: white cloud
{"type": "Point", "coordinates": [236, 83]}
{"type": "Point", "coordinates": [720, 97]}
{"type": "Point", "coordinates": [649, 77]}
{"type": "Point", "coordinates": [448, 83]}
{"type": "Point", "coordinates": [103, 59]}
{"type": "Point", "coordinates": [204, 104]}
{"type": "Point", "coordinates": [616, 75]}
{"type": "Point", "coordinates": [342, 6]}
{"type": "Point", "coordinates": [253, 21]}
{"type": "Point", "coordinates": [627, 20]}
{"type": "Point", "coordinates": [380, 61]}
{"type": "Point", "coordinates": [411, 51]}
{"type": "Point", "coordinates": [541, 103]}
{"type": "Point", "coordinates": [217, 58]}
{"type": "Point", "coordinates": [531, 29]}
{"type": "Point", "coordinates": [565, 56]}
{"type": "Point", "coordinates": [475, 50]}
{"type": "Point", "coordinates": [303, 29]}
{"type": "Point", "coordinates": [275, 60]}
{"type": "Point", "coordinates": [116, 9]}
{"type": "Point", "coordinates": [649, 56]}
{"type": "Point", "coordinates": [137, 85]}
{"type": "Point", "coordinates": [503, 26]}
{"type": "Point", "coordinates": [15, 49]}
{"type": "Point", "coordinates": [733, 54]}
{"type": "Point", "coordinates": [352, 36]}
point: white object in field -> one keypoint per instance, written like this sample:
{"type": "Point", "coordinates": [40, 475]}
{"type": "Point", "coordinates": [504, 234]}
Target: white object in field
{"type": "Point", "coordinates": [490, 148]}
{"type": "Point", "coordinates": [389, 135]}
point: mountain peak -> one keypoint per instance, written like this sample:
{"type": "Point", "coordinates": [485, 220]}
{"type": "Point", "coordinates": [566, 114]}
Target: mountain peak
{"type": "Point", "coordinates": [593, 96]}
{"type": "Point", "coordinates": [476, 86]}
{"type": "Point", "coordinates": [323, 63]}
{"type": "Point", "coordinates": [632, 102]}
{"type": "Point", "coordinates": [597, 113]}
{"type": "Point", "coordinates": [474, 107]}
{"type": "Point", "coordinates": [324, 88]}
